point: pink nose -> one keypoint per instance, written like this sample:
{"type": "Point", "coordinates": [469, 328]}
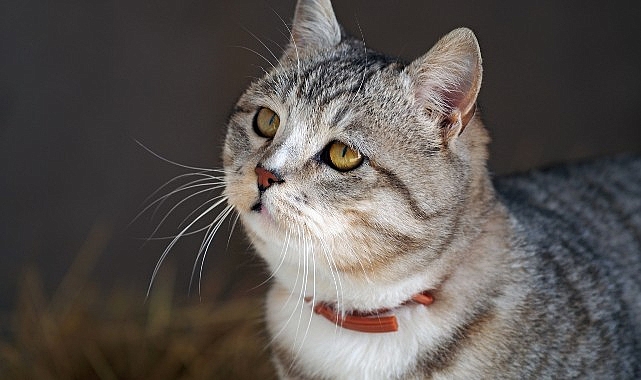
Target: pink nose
{"type": "Point", "coordinates": [266, 178]}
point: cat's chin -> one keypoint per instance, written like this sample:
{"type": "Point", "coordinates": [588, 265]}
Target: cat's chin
{"type": "Point", "coordinates": [262, 223]}
{"type": "Point", "coordinates": [260, 220]}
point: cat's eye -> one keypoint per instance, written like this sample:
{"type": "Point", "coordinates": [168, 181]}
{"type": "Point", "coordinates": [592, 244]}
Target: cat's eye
{"type": "Point", "coordinates": [341, 157]}
{"type": "Point", "coordinates": [266, 123]}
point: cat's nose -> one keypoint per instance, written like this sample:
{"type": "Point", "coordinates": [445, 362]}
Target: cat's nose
{"type": "Point", "coordinates": [266, 178]}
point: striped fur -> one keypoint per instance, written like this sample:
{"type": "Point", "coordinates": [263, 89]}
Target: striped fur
{"type": "Point", "coordinates": [534, 276]}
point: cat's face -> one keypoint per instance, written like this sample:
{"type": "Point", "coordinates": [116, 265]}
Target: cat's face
{"type": "Point", "coordinates": [349, 156]}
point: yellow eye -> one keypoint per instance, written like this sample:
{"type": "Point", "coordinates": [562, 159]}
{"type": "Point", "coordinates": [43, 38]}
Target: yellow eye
{"type": "Point", "coordinates": [342, 157]}
{"type": "Point", "coordinates": [266, 123]}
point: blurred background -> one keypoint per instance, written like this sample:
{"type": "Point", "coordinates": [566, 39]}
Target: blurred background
{"type": "Point", "coordinates": [81, 82]}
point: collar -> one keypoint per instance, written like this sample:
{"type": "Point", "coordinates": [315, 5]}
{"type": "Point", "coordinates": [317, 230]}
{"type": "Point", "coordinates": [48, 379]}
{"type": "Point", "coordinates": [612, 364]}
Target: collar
{"type": "Point", "coordinates": [370, 322]}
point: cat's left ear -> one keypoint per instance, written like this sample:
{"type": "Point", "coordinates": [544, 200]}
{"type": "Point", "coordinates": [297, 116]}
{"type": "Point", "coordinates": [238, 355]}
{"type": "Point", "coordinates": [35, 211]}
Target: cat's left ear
{"type": "Point", "coordinates": [314, 28]}
{"type": "Point", "coordinates": [447, 80]}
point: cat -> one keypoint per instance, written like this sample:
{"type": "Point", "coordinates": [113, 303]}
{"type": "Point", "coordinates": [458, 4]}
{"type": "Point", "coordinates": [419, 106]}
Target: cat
{"type": "Point", "coordinates": [361, 180]}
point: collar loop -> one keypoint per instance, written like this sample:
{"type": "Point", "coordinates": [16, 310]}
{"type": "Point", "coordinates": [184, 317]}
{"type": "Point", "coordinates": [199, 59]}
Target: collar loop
{"type": "Point", "coordinates": [369, 322]}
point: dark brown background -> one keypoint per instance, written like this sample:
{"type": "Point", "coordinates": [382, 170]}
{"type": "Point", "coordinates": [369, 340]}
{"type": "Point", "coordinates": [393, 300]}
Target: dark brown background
{"type": "Point", "coordinates": [80, 80]}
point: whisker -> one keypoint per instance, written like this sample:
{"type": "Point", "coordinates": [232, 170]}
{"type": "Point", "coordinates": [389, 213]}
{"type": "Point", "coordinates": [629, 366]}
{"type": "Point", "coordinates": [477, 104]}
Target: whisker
{"type": "Point", "coordinates": [291, 293]}
{"type": "Point", "coordinates": [301, 297]}
{"type": "Point", "coordinates": [260, 67]}
{"type": "Point", "coordinates": [365, 65]}
{"type": "Point", "coordinates": [162, 221]}
{"type": "Point", "coordinates": [169, 237]}
{"type": "Point", "coordinates": [334, 272]}
{"type": "Point", "coordinates": [291, 38]}
{"type": "Point", "coordinates": [257, 53]}
{"type": "Point", "coordinates": [311, 314]}
{"type": "Point", "coordinates": [353, 254]}
{"type": "Point", "coordinates": [325, 248]}
{"type": "Point", "coordinates": [270, 84]}
{"type": "Point", "coordinates": [176, 178]}
{"type": "Point", "coordinates": [176, 163]}
{"type": "Point", "coordinates": [173, 242]}
{"type": "Point", "coordinates": [182, 222]}
{"type": "Point", "coordinates": [191, 185]}
{"type": "Point", "coordinates": [274, 42]}
{"type": "Point", "coordinates": [287, 36]}
{"type": "Point", "coordinates": [164, 186]}
{"type": "Point", "coordinates": [209, 236]}
{"type": "Point", "coordinates": [261, 42]}
{"type": "Point", "coordinates": [233, 227]}
{"type": "Point", "coordinates": [283, 255]}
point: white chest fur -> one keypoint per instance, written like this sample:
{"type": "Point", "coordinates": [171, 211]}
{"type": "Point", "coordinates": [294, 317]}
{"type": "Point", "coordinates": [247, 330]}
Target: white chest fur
{"type": "Point", "coordinates": [322, 348]}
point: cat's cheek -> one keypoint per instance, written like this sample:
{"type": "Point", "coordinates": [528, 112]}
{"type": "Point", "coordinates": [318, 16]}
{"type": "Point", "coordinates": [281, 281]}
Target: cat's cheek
{"type": "Point", "coordinates": [241, 192]}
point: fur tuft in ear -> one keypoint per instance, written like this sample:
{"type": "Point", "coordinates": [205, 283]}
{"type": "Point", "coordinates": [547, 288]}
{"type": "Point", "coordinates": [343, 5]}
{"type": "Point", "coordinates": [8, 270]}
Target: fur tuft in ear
{"type": "Point", "coordinates": [447, 79]}
{"type": "Point", "coordinates": [315, 26]}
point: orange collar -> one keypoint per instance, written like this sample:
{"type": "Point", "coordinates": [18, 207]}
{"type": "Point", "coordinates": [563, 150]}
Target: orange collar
{"type": "Point", "coordinates": [371, 322]}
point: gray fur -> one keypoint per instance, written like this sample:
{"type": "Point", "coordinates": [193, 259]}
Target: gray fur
{"type": "Point", "coordinates": [541, 277]}
{"type": "Point", "coordinates": [579, 227]}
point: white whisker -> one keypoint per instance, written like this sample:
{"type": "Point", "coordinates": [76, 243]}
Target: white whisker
{"type": "Point", "coordinates": [162, 221]}
{"type": "Point", "coordinates": [365, 66]}
{"type": "Point", "coordinates": [301, 298]}
{"type": "Point", "coordinates": [188, 186]}
{"type": "Point", "coordinates": [283, 255]}
{"type": "Point", "coordinates": [298, 269]}
{"type": "Point", "coordinates": [233, 227]}
{"type": "Point", "coordinates": [182, 222]}
{"type": "Point", "coordinates": [334, 272]}
{"type": "Point", "coordinates": [169, 237]}
{"type": "Point", "coordinates": [174, 240]}
{"type": "Point", "coordinates": [176, 163]}
{"type": "Point", "coordinates": [311, 314]}
{"type": "Point", "coordinates": [209, 236]}
{"type": "Point", "coordinates": [291, 293]}
{"type": "Point", "coordinates": [260, 67]}
{"type": "Point", "coordinates": [166, 196]}
{"type": "Point", "coordinates": [262, 43]}
{"type": "Point", "coordinates": [257, 53]}
{"type": "Point", "coordinates": [291, 38]}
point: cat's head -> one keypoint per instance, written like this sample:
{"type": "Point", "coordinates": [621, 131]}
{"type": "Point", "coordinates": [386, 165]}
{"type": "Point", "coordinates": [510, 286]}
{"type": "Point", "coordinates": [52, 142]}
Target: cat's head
{"type": "Point", "coordinates": [356, 160]}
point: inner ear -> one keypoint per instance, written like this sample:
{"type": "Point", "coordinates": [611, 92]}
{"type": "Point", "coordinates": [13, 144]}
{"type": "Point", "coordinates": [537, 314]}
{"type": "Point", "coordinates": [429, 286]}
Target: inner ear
{"type": "Point", "coordinates": [454, 123]}
{"type": "Point", "coordinates": [447, 80]}
{"type": "Point", "coordinates": [315, 27]}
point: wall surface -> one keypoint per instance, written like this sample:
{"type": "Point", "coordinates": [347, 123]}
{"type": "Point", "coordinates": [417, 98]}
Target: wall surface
{"type": "Point", "coordinates": [81, 81]}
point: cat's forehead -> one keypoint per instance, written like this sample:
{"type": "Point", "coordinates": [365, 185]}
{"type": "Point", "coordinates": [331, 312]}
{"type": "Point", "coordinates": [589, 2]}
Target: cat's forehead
{"type": "Point", "coordinates": [348, 94]}
{"type": "Point", "coordinates": [320, 79]}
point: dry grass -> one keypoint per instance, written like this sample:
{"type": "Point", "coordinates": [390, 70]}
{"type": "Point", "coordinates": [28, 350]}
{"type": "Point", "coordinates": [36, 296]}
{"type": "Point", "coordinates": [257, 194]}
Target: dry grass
{"type": "Point", "coordinates": [77, 333]}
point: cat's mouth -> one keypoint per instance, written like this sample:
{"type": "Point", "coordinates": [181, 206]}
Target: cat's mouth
{"type": "Point", "coordinates": [257, 207]}
{"type": "Point", "coordinates": [261, 210]}
{"type": "Point", "coordinates": [262, 219]}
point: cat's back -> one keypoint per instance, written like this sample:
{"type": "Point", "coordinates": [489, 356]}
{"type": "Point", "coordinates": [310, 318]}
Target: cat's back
{"type": "Point", "coordinates": [590, 209]}
{"type": "Point", "coordinates": [580, 229]}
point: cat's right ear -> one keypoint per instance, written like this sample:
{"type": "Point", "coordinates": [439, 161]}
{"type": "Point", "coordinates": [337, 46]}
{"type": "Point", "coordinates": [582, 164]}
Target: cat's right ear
{"type": "Point", "coordinates": [447, 80]}
{"type": "Point", "coordinates": [314, 28]}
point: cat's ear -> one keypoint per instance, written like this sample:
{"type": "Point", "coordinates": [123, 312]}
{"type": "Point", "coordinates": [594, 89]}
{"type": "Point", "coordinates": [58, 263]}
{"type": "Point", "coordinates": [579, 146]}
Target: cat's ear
{"type": "Point", "coordinates": [447, 80]}
{"type": "Point", "coordinates": [315, 26]}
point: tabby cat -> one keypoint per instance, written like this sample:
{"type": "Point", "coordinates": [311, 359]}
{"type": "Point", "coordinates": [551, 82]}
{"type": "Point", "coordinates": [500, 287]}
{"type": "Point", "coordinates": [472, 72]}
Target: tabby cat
{"type": "Point", "coordinates": [361, 180]}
